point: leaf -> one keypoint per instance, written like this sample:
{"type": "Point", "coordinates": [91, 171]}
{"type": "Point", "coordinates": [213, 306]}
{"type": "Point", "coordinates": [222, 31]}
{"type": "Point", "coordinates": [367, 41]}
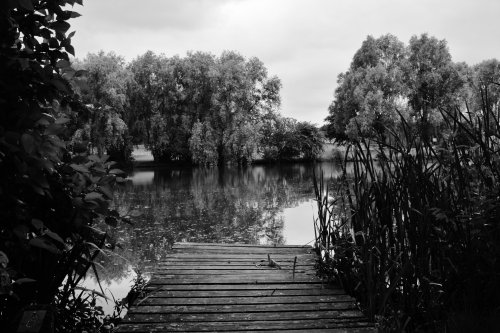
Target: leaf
{"type": "Point", "coordinates": [75, 14]}
{"type": "Point", "coordinates": [116, 172]}
{"type": "Point", "coordinates": [93, 196]}
{"type": "Point", "coordinates": [71, 34]}
{"type": "Point", "coordinates": [57, 142]}
{"type": "Point", "coordinates": [54, 236]}
{"type": "Point", "coordinates": [79, 168]}
{"type": "Point", "coordinates": [28, 142]}
{"type": "Point", "coordinates": [37, 224]}
{"type": "Point", "coordinates": [26, 4]}
{"type": "Point", "coordinates": [24, 280]}
{"type": "Point", "coordinates": [60, 85]}
{"type": "Point", "coordinates": [70, 49]}
{"type": "Point", "coordinates": [81, 72]}
{"type": "Point", "coordinates": [4, 260]}
{"type": "Point", "coordinates": [54, 129]}
{"type": "Point", "coordinates": [63, 63]}
{"type": "Point", "coordinates": [44, 244]}
{"type": "Point", "coordinates": [62, 120]}
{"type": "Point", "coordinates": [60, 26]}
{"type": "Point", "coordinates": [106, 191]}
{"type": "Point", "coordinates": [94, 158]}
{"type": "Point", "coordinates": [21, 231]}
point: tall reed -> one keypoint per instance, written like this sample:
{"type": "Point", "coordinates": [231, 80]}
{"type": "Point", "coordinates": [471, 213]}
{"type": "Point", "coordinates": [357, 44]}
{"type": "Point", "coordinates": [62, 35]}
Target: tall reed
{"type": "Point", "coordinates": [415, 234]}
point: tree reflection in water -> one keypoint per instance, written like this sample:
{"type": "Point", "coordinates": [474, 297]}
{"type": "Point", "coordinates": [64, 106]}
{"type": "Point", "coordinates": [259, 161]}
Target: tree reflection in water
{"type": "Point", "coordinates": [231, 205]}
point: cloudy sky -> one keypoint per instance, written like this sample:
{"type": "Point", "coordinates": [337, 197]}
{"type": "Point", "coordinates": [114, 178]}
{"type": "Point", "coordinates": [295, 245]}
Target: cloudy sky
{"type": "Point", "coordinates": [306, 43]}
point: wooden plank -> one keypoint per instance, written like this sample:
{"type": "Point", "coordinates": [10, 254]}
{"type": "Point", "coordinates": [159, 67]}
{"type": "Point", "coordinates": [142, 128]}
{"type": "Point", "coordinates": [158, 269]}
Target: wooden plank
{"type": "Point", "coordinates": [232, 261]}
{"type": "Point", "coordinates": [243, 250]}
{"type": "Point", "coordinates": [367, 329]}
{"type": "Point", "coordinates": [233, 256]}
{"type": "Point", "coordinates": [298, 299]}
{"type": "Point", "coordinates": [189, 244]}
{"type": "Point", "coordinates": [232, 271]}
{"type": "Point", "coordinates": [231, 266]}
{"type": "Point", "coordinates": [257, 279]}
{"type": "Point", "coordinates": [245, 325]}
{"type": "Point", "coordinates": [238, 316]}
{"type": "Point", "coordinates": [244, 293]}
{"type": "Point", "coordinates": [241, 286]}
{"type": "Point", "coordinates": [242, 308]}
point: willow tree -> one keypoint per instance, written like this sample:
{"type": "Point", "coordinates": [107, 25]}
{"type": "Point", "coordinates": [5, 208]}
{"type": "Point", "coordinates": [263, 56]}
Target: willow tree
{"type": "Point", "coordinates": [202, 108]}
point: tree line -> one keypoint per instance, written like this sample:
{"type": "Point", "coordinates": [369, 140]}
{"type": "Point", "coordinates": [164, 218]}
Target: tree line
{"type": "Point", "coordinates": [200, 109]}
{"type": "Point", "coordinates": [388, 81]}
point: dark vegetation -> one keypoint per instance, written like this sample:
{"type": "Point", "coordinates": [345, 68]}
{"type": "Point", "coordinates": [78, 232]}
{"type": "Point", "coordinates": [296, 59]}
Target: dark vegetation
{"type": "Point", "coordinates": [53, 188]}
{"type": "Point", "coordinates": [415, 235]}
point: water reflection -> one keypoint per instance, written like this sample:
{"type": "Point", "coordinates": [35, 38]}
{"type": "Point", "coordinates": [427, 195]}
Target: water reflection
{"type": "Point", "coordinates": [254, 205]}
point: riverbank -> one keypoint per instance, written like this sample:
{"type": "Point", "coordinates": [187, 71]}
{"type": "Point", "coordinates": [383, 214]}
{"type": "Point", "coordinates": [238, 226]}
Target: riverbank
{"type": "Point", "coordinates": [142, 157]}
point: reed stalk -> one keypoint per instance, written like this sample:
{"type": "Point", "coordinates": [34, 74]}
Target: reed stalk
{"type": "Point", "coordinates": [413, 232]}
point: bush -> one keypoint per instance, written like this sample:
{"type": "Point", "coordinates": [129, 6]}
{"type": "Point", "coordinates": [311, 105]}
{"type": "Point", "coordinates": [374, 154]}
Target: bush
{"type": "Point", "coordinates": [50, 195]}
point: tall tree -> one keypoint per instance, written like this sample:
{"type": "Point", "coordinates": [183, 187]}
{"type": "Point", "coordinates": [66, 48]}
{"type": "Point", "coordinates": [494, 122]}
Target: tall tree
{"type": "Point", "coordinates": [105, 86]}
{"type": "Point", "coordinates": [227, 96]}
{"type": "Point", "coordinates": [433, 80]}
{"type": "Point", "coordinates": [371, 91]}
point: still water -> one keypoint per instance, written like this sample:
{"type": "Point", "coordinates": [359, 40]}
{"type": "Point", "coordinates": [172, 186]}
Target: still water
{"type": "Point", "coordinates": [262, 204]}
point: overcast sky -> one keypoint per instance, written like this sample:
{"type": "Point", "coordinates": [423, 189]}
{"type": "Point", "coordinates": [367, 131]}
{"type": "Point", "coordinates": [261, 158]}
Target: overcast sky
{"type": "Point", "coordinates": [306, 43]}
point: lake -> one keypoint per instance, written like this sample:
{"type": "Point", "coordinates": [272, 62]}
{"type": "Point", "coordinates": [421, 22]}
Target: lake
{"type": "Point", "coordinates": [260, 204]}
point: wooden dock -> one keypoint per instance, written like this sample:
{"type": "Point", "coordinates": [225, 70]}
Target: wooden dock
{"type": "Point", "coordinates": [235, 288]}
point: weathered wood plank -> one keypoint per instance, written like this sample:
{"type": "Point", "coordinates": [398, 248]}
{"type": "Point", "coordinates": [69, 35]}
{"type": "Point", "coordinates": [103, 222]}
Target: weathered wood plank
{"type": "Point", "coordinates": [189, 244]}
{"type": "Point", "coordinates": [257, 279]}
{"type": "Point", "coordinates": [244, 250]}
{"type": "Point", "coordinates": [298, 299]}
{"type": "Point", "coordinates": [304, 324]}
{"type": "Point", "coordinates": [239, 316]}
{"type": "Point", "coordinates": [232, 271]}
{"type": "Point", "coordinates": [242, 308]}
{"type": "Point", "coordinates": [244, 293]}
{"type": "Point", "coordinates": [237, 256]}
{"type": "Point", "coordinates": [241, 286]}
{"type": "Point", "coordinates": [230, 267]}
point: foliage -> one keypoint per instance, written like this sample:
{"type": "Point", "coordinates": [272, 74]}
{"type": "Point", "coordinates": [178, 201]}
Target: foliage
{"type": "Point", "coordinates": [202, 146]}
{"type": "Point", "coordinates": [51, 192]}
{"type": "Point", "coordinates": [286, 139]}
{"type": "Point", "coordinates": [104, 88]}
{"type": "Point", "coordinates": [415, 237]}
{"type": "Point", "coordinates": [228, 95]}
{"type": "Point", "coordinates": [387, 79]}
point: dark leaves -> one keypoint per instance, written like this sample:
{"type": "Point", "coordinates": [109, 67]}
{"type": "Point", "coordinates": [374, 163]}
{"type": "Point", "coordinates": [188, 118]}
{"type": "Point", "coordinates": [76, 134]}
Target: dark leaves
{"type": "Point", "coordinates": [60, 26]}
{"type": "Point", "coordinates": [26, 4]}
